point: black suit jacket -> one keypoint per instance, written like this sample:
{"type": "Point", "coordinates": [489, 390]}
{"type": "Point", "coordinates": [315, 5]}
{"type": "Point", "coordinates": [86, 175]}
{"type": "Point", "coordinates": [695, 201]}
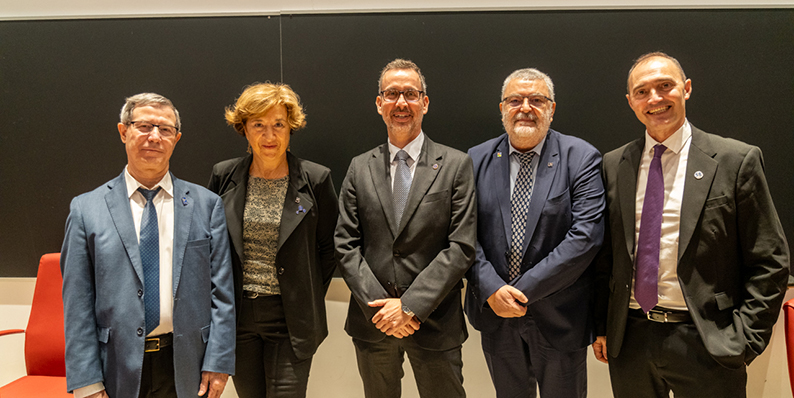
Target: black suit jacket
{"type": "Point", "coordinates": [305, 257]}
{"type": "Point", "coordinates": [733, 258]}
{"type": "Point", "coordinates": [421, 260]}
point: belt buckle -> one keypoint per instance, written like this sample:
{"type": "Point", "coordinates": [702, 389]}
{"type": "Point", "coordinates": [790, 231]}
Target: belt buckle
{"type": "Point", "coordinates": [250, 295]}
{"type": "Point", "coordinates": [157, 348]}
{"type": "Point", "coordinates": [657, 316]}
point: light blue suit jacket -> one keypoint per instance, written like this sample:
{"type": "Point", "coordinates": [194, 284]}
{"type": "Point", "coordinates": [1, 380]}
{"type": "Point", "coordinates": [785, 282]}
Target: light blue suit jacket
{"type": "Point", "coordinates": [565, 229]}
{"type": "Point", "coordinates": [103, 286]}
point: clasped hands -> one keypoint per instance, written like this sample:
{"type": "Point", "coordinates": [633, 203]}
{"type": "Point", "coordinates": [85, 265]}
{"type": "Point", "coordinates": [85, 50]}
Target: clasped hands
{"type": "Point", "coordinates": [505, 302]}
{"type": "Point", "coordinates": [391, 319]}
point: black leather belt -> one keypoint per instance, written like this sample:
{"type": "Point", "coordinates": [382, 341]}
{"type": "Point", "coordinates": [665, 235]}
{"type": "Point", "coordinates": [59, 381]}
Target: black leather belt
{"type": "Point", "coordinates": [154, 344]}
{"type": "Point", "coordinates": [662, 315]}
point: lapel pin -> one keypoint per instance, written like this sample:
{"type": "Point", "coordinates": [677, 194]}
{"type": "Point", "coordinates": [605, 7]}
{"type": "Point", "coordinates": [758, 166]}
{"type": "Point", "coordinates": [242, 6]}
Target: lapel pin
{"type": "Point", "coordinates": [498, 154]}
{"type": "Point", "coordinates": [297, 200]}
{"type": "Point", "coordinates": [184, 201]}
{"type": "Point", "coordinates": [435, 166]}
{"type": "Point", "coordinates": [300, 210]}
{"type": "Point", "coordinates": [698, 174]}
{"type": "Point", "coordinates": [551, 164]}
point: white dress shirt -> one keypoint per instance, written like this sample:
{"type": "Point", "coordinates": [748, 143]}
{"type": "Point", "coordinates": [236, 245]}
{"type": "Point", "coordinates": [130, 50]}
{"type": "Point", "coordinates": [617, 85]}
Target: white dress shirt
{"type": "Point", "coordinates": [674, 161]}
{"type": "Point", "coordinates": [414, 149]}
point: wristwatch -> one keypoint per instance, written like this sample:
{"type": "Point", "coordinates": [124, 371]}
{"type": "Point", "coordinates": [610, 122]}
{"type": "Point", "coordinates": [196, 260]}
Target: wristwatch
{"type": "Point", "coordinates": [408, 311]}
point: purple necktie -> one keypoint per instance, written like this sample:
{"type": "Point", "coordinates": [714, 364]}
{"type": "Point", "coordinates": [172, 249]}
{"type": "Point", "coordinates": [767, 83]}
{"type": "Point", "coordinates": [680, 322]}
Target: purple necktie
{"type": "Point", "coordinates": [646, 280]}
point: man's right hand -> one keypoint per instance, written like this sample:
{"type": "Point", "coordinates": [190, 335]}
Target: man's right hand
{"type": "Point", "coordinates": [503, 302]}
{"type": "Point", "coordinates": [600, 349]}
{"type": "Point", "coordinates": [408, 329]}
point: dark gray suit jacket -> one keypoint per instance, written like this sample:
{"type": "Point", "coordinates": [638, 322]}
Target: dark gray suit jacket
{"type": "Point", "coordinates": [733, 258]}
{"type": "Point", "coordinates": [423, 259]}
{"type": "Point", "coordinates": [305, 258]}
{"type": "Point", "coordinates": [103, 289]}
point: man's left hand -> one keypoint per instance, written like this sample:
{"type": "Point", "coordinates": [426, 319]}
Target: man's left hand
{"type": "Point", "coordinates": [391, 317]}
{"type": "Point", "coordinates": [212, 384]}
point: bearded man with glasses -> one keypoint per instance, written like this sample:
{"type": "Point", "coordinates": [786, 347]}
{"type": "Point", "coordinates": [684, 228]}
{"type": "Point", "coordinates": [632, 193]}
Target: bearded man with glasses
{"type": "Point", "coordinates": [404, 239]}
{"type": "Point", "coordinates": [539, 208]}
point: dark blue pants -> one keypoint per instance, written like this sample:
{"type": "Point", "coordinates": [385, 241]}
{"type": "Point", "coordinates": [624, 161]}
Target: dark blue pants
{"type": "Point", "coordinates": [522, 361]}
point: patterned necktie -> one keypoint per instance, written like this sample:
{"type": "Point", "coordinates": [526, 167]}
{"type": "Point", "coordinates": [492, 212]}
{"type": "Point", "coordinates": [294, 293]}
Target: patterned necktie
{"type": "Point", "coordinates": [402, 184]}
{"type": "Point", "coordinates": [519, 206]}
{"type": "Point", "coordinates": [646, 281]}
{"type": "Point", "coordinates": [150, 258]}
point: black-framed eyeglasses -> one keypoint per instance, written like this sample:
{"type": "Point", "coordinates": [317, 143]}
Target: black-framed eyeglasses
{"type": "Point", "coordinates": [537, 101]}
{"type": "Point", "coordinates": [166, 131]}
{"type": "Point", "coordinates": [394, 95]}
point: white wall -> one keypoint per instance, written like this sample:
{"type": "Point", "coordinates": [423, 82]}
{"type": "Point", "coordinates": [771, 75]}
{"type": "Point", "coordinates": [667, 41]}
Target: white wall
{"type": "Point", "coordinates": [45, 9]}
{"type": "Point", "coordinates": [334, 372]}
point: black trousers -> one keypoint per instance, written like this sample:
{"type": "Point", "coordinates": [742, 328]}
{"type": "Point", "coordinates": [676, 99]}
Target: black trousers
{"type": "Point", "coordinates": [658, 357]}
{"type": "Point", "coordinates": [266, 365]}
{"type": "Point", "coordinates": [157, 377]}
{"type": "Point", "coordinates": [439, 374]}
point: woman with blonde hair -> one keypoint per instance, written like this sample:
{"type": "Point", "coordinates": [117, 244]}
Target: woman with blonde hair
{"type": "Point", "coordinates": [281, 212]}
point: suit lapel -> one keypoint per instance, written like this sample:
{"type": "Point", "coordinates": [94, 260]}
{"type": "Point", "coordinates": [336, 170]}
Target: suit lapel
{"type": "Point", "coordinates": [380, 172]}
{"type": "Point", "coordinates": [427, 168]}
{"type": "Point", "coordinates": [118, 203]}
{"type": "Point", "coordinates": [183, 217]}
{"type": "Point", "coordinates": [501, 167]}
{"type": "Point", "coordinates": [297, 202]}
{"type": "Point", "coordinates": [234, 204]}
{"type": "Point", "coordinates": [628, 168]}
{"type": "Point", "coordinates": [548, 164]}
{"type": "Point", "coordinates": [701, 161]}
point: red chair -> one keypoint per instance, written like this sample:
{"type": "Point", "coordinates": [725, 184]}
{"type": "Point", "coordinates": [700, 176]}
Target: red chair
{"type": "Point", "coordinates": [788, 311]}
{"type": "Point", "coordinates": [44, 338]}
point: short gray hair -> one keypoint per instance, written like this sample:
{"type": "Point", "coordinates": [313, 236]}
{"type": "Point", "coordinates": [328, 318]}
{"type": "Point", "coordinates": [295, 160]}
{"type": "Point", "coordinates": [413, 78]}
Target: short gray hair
{"type": "Point", "coordinates": [402, 64]}
{"type": "Point", "coordinates": [529, 74]}
{"type": "Point", "coordinates": [147, 99]}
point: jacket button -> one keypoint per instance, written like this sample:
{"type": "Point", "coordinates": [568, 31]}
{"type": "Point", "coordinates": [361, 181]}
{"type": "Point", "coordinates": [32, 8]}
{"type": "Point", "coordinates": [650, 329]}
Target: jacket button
{"type": "Point", "coordinates": [281, 271]}
{"type": "Point", "coordinates": [140, 331]}
{"type": "Point", "coordinates": [396, 253]}
{"type": "Point", "coordinates": [140, 293]}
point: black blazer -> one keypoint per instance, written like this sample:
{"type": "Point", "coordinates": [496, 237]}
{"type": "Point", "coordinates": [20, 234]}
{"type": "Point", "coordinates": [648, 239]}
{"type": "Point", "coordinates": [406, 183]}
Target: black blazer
{"type": "Point", "coordinates": [733, 258]}
{"type": "Point", "coordinates": [305, 257]}
{"type": "Point", "coordinates": [421, 260]}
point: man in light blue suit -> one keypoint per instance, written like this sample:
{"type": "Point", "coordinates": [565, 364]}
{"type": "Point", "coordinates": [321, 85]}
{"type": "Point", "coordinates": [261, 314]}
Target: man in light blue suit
{"type": "Point", "coordinates": [539, 224]}
{"type": "Point", "coordinates": [147, 278]}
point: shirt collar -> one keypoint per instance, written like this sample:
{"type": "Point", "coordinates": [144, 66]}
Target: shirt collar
{"type": "Point", "coordinates": [537, 149]}
{"type": "Point", "coordinates": [132, 184]}
{"type": "Point", "coordinates": [414, 148]}
{"type": "Point", "coordinates": [675, 142]}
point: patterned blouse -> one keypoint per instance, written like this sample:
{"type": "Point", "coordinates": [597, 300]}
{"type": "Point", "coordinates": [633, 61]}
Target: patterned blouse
{"type": "Point", "coordinates": [264, 202]}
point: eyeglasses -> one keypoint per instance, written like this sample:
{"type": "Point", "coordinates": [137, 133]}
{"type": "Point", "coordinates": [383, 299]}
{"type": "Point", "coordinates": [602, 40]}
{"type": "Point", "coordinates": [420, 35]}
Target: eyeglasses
{"type": "Point", "coordinates": [166, 131]}
{"type": "Point", "coordinates": [537, 101]}
{"type": "Point", "coordinates": [394, 95]}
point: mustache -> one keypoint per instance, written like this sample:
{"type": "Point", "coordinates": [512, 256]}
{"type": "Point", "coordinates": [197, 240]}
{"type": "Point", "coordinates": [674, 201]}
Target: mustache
{"type": "Point", "coordinates": [526, 116]}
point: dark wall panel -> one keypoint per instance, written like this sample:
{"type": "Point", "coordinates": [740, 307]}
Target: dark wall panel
{"type": "Point", "coordinates": [63, 82]}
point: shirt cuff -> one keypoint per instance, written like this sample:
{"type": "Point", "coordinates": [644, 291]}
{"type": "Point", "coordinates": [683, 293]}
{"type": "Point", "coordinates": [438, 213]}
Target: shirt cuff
{"type": "Point", "coordinates": [83, 392]}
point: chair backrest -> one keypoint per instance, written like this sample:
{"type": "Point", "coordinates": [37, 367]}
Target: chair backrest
{"type": "Point", "coordinates": [44, 336]}
{"type": "Point", "coordinates": [788, 311]}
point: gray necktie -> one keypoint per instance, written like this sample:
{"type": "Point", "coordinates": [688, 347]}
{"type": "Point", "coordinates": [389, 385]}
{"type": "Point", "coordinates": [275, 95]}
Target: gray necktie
{"type": "Point", "coordinates": [519, 206]}
{"type": "Point", "coordinates": [402, 184]}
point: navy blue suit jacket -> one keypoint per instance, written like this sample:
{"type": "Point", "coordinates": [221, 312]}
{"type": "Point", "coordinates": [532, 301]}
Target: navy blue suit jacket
{"type": "Point", "coordinates": [564, 231]}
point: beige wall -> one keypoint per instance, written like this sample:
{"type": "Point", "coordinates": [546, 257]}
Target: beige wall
{"type": "Point", "coordinates": [334, 372]}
